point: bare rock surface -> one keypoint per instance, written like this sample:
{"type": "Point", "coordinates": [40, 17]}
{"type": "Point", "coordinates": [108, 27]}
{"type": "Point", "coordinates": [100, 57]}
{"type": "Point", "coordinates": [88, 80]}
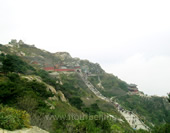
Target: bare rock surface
{"type": "Point", "coordinates": [25, 130]}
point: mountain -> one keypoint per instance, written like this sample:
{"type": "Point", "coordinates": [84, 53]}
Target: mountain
{"type": "Point", "coordinates": [57, 90]}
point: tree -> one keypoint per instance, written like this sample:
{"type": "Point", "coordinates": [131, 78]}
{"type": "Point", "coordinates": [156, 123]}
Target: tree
{"type": "Point", "coordinates": [169, 97]}
{"type": "Point", "coordinates": [15, 64]}
{"type": "Point", "coordinates": [162, 128]}
{"type": "Point", "coordinates": [77, 102]}
{"type": "Point", "coordinates": [27, 103]}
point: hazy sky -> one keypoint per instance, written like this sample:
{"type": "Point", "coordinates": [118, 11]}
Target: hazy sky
{"type": "Point", "coordinates": [129, 38]}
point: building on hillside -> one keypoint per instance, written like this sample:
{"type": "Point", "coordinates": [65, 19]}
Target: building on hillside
{"type": "Point", "coordinates": [58, 70]}
{"type": "Point", "coordinates": [132, 88]}
{"type": "Point", "coordinates": [49, 68]}
{"type": "Point", "coordinates": [132, 85]}
{"type": "Point", "coordinates": [62, 68]}
{"type": "Point", "coordinates": [56, 66]}
{"type": "Point", "coordinates": [77, 68]}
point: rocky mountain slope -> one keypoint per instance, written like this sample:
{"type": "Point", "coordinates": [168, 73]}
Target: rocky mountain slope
{"type": "Point", "coordinates": [79, 87]}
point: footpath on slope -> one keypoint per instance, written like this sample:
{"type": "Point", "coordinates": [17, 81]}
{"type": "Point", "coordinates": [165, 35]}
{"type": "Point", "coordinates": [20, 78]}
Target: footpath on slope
{"type": "Point", "coordinates": [130, 117]}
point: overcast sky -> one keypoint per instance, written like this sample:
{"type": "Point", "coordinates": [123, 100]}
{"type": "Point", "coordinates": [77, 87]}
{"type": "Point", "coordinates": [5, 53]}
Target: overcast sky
{"type": "Point", "coordinates": [129, 38]}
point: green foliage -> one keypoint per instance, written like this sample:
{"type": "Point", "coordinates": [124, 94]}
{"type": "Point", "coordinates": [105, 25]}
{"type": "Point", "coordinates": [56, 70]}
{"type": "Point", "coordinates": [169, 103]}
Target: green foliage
{"type": "Point", "coordinates": [46, 77]}
{"type": "Point", "coordinates": [113, 86]}
{"type": "Point", "coordinates": [162, 129]}
{"type": "Point", "coordinates": [104, 125]}
{"type": "Point", "coordinates": [30, 95]}
{"type": "Point", "coordinates": [82, 126]}
{"type": "Point", "coordinates": [73, 92]}
{"type": "Point", "coordinates": [15, 87]}
{"type": "Point", "coordinates": [12, 63]}
{"type": "Point", "coordinates": [12, 119]}
{"type": "Point", "coordinates": [153, 109]}
{"type": "Point", "coordinates": [90, 124]}
{"type": "Point", "coordinates": [169, 97]}
{"type": "Point", "coordinates": [27, 103]}
{"type": "Point", "coordinates": [77, 102]}
{"type": "Point", "coordinates": [26, 95]}
{"type": "Point", "coordinates": [13, 77]}
{"type": "Point", "coordinates": [72, 85]}
{"type": "Point", "coordinates": [38, 88]}
{"type": "Point", "coordinates": [141, 131]}
{"type": "Point", "coordinates": [8, 90]}
{"type": "Point", "coordinates": [1, 64]}
{"type": "Point", "coordinates": [92, 110]}
{"type": "Point", "coordinates": [111, 81]}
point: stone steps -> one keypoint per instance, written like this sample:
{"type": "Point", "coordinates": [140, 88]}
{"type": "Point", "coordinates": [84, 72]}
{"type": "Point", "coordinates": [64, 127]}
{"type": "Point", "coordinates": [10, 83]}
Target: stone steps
{"type": "Point", "coordinates": [132, 119]}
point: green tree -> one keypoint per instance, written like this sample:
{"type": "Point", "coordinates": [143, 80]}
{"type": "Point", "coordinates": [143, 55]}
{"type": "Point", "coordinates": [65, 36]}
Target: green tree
{"type": "Point", "coordinates": [15, 64]}
{"type": "Point", "coordinates": [169, 97]}
{"type": "Point", "coordinates": [162, 129]}
{"type": "Point", "coordinates": [12, 119]}
{"type": "Point", "coordinates": [77, 102]}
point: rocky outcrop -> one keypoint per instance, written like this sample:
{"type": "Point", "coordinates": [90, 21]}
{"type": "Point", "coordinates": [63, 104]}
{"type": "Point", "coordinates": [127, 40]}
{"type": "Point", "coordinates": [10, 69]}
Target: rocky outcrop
{"type": "Point", "coordinates": [51, 88]}
{"type": "Point", "coordinates": [25, 130]}
{"type": "Point", "coordinates": [61, 96]}
{"type": "Point", "coordinates": [38, 79]}
{"type": "Point", "coordinates": [58, 97]}
{"type": "Point", "coordinates": [63, 55]}
{"type": "Point", "coordinates": [32, 77]}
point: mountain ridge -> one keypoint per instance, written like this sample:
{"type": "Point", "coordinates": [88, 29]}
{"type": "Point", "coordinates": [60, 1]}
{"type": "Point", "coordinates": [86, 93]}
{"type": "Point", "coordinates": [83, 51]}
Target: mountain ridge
{"type": "Point", "coordinates": [73, 77]}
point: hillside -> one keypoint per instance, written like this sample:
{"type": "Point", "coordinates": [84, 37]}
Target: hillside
{"type": "Point", "coordinates": [57, 89]}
